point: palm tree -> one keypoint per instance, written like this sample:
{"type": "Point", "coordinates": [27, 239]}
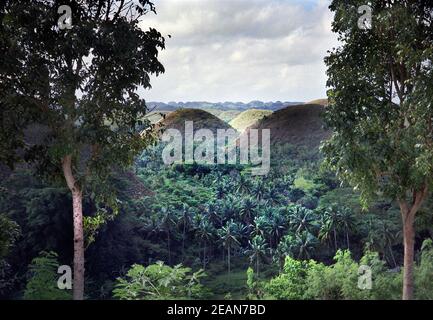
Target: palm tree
{"type": "Point", "coordinates": [302, 219]}
{"type": "Point", "coordinates": [330, 224]}
{"type": "Point", "coordinates": [299, 245]}
{"type": "Point", "coordinates": [248, 210]}
{"type": "Point", "coordinates": [229, 234]}
{"type": "Point", "coordinates": [151, 225]}
{"type": "Point", "coordinates": [347, 222]}
{"type": "Point", "coordinates": [304, 243]}
{"type": "Point", "coordinates": [257, 228]}
{"type": "Point", "coordinates": [212, 212]}
{"type": "Point", "coordinates": [185, 222]}
{"type": "Point", "coordinates": [167, 223]}
{"type": "Point", "coordinates": [283, 249]}
{"type": "Point", "coordinates": [257, 251]}
{"type": "Point", "coordinates": [276, 227]}
{"type": "Point", "coordinates": [382, 235]}
{"type": "Point", "coordinates": [218, 177]}
{"type": "Point", "coordinates": [220, 191]}
{"type": "Point", "coordinates": [273, 195]}
{"type": "Point", "coordinates": [243, 185]}
{"type": "Point", "coordinates": [205, 232]}
{"type": "Point", "coordinates": [259, 189]}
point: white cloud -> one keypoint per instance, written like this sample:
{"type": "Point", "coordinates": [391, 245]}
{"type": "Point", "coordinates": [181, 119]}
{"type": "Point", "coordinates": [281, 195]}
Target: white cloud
{"type": "Point", "coordinates": [242, 50]}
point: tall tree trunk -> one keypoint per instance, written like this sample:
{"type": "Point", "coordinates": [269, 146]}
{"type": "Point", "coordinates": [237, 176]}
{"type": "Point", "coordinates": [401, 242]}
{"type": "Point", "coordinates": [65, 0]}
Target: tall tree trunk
{"type": "Point", "coordinates": [409, 242]}
{"type": "Point", "coordinates": [347, 240]}
{"type": "Point", "coordinates": [408, 219]}
{"type": "Point", "coordinates": [228, 257]}
{"type": "Point", "coordinates": [168, 245]}
{"type": "Point", "coordinates": [204, 256]}
{"type": "Point", "coordinates": [335, 239]}
{"type": "Point", "coordinates": [77, 204]}
{"type": "Point", "coordinates": [183, 241]}
{"type": "Point", "coordinates": [392, 255]}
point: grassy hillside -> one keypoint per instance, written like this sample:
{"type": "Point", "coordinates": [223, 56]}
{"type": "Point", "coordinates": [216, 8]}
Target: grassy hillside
{"type": "Point", "coordinates": [299, 125]}
{"type": "Point", "coordinates": [201, 119]}
{"type": "Point", "coordinates": [228, 116]}
{"type": "Point", "coordinates": [323, 102]}
{"type": "Point", "coordinates": [248, 118]}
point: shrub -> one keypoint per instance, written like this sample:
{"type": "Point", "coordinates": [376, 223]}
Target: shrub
{"type": "Point", "coordinates": [159, 282]}
{"type": "Point", "coordinates": [42, 284]}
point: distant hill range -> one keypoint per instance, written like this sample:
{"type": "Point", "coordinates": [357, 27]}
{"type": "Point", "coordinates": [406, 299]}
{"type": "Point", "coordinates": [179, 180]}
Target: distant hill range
{"type": "Point", "coordinates": [225, 106]}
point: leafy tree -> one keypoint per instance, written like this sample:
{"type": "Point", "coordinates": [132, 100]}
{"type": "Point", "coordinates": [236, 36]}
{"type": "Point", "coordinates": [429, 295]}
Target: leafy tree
{"type": "Point", "coordinates": [380, 110]}
{"type": "Point", "coordinates": [290, 285]}
{"type": "Point", "coordinates": [79, 86]}
{"type": "Point", "coordinates": [42, 284]}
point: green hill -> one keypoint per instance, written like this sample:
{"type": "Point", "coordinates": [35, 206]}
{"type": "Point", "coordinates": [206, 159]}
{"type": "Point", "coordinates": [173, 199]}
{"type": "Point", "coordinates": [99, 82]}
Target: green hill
{"type": "Point", "coordinates": [248, 118]}
{"type": "Point", "coordinates": [201, 119]}
{"type": "Point", "coordinates": [323, 102]}
{"type": "Point", "coordinates": [300, 125]}
{"type": "Point", "coordinates": [229, 115]}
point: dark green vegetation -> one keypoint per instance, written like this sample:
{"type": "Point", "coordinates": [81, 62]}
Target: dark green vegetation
{"type": "Point", "coordinates": [221, 220]}
{"type": "Point", "coordinates": [79, 86]}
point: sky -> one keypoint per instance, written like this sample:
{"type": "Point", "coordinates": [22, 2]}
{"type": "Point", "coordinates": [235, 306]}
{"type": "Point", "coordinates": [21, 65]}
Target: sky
{"type": "Point", "coordinates": [241, 50]}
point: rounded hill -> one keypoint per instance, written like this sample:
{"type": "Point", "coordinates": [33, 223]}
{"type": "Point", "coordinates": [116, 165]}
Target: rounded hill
{"type": "Point", "coordinates": [248, 118]}
{"type": "Point", "coordinates": [201, 120]}
{"type": "Point", "coordinates": [300, 125]}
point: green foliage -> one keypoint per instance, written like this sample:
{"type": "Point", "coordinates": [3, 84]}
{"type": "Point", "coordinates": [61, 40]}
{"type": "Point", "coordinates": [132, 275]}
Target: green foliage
{"type": "Point", "coordinates": [380, 109]}
{"type": "Point", "coordinates": [290, 285]}
{"type": "Point", "coordinates": [9, 232]}
{"type": "Point", "coordinates": [339, 281]}
{"type": "Point", "coordinates": [42, 284]}
{"type": "Point", "coordinates": [303, 184]}
{"type": "Point", "coordinates": [159, 281]}
{"type": "Point", "coordinates": [424, 272]}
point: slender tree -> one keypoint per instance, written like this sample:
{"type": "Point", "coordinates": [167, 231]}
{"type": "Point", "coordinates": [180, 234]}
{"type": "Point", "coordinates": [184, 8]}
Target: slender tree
{"type": "Point", "coordinates": [206, 233]}
{"type": "Point", "coordinates": [257, 251]}
{"type": "Point", "coordinates": [168, 224]}
{"type": "Point", "coordinates": [185, 221]}
{"type": "Point", "coordinates": [229, 234]}
{"type": "Point", "coordinates": [380, 110]}
{"type": "Point", "coordinates": [78, 81]}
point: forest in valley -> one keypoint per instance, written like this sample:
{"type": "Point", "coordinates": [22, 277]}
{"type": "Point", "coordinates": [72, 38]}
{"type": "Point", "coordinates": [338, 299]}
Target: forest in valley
{"type": "Point", "coordinates": [214, 232]}
{"type": "Point", "coordinates": [89, 209]}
